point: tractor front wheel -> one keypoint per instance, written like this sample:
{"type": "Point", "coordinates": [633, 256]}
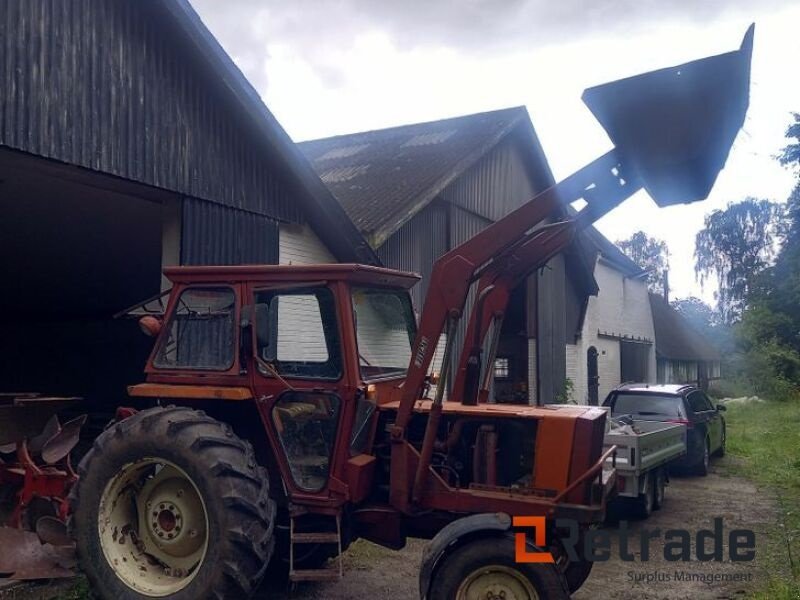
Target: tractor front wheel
{"type": "Point", "coordinates": [170, 503]}
{"type": "Point", "coordinates": [485, 569]}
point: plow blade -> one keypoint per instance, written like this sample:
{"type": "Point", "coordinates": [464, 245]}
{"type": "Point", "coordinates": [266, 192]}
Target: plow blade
{"type": "Point", "coordinates": [674, 127]}
{"type": "Point", "coordinates": [23, 418]}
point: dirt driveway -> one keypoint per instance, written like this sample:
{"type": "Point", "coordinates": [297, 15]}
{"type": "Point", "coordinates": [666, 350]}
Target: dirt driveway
{"type": "Point", "coordinates": [374, 573]}
{"type": "Point", "coordinates": [692, 503]}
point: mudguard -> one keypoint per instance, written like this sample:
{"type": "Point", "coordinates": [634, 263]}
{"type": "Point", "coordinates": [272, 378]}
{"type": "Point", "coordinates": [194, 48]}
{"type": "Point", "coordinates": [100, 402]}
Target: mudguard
{"type": "Point", "coordinates": [449, 537]}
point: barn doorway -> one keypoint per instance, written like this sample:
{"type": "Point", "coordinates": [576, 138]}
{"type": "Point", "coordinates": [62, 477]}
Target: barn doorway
{"type": "Point", "coordinates": [593, 375]}
{"type": "Point", "coordinates": [72, 254]}
{"type": "Point", "coordinates": [511, 361]}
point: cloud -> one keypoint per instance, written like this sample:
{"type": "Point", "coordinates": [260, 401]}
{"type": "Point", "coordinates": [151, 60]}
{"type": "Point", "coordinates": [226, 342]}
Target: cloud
{"type": "Point", "coordinates": [320, 32]}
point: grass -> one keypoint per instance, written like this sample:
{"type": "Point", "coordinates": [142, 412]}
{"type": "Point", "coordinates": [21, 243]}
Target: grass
{"type": "Point", "coordinates": [765, 438]}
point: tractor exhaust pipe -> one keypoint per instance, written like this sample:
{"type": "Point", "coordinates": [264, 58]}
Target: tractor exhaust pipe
{"type": "Point", "coordinates": [674, 127]}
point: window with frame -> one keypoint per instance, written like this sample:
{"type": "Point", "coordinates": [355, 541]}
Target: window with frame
{"type": "Point", "coordinates": [502, 368]}
{"type": "Point", "coordinates": [698, 402]}
{"type": "Point", "coordinates": [296, 333]}
{"type": "Point", "coordinates": [201, 332]}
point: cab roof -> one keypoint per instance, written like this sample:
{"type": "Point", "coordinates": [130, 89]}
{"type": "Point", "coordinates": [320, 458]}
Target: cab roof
{"type": "Point", "coordinates": [355, 273]}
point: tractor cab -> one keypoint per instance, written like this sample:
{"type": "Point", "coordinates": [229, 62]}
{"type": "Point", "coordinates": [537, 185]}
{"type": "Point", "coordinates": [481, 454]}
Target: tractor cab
{"type": "Point", "coordinates": [307, 343]}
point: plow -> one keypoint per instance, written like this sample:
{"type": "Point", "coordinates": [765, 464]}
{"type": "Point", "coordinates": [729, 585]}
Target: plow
{"type": "Point", "coordinates": [36, 476]}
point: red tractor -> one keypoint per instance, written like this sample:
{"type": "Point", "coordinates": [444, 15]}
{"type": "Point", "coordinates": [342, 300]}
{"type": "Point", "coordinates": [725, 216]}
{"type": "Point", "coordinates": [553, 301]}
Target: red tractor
{"type": "Point", "coordinates": [288, 410]}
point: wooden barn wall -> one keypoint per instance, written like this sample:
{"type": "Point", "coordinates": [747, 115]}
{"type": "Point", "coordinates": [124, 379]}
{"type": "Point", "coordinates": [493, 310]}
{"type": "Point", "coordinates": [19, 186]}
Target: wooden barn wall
{"type": "Point", "coordinates": [107, 85]}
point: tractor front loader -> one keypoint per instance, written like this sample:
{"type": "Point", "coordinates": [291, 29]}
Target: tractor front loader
{"type": "Point", "coordinates": [288, 410]}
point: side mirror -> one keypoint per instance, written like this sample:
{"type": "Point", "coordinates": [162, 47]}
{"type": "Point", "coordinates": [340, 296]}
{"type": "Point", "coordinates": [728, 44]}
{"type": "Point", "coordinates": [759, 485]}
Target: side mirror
{"type": "Point", "coordinates": [721, 407]}
{"type": "Point", "coordinates": [150, 325]}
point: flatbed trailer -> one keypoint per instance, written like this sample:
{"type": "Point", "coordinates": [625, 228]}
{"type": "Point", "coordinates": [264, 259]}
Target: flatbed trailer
{"type": "Point", "coordinates": [642, 459]}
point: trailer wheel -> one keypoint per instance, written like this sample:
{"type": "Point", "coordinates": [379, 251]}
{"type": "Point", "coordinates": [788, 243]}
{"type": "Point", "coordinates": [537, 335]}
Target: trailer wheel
{"type": "Point", "coordinates": [485, 568]}
{"type": "Point", "coordinates": [645, 502]}
{"type": "Point", "coordinates": [659, 484]}
{"type": "Point", "coordinates": [170, 503]}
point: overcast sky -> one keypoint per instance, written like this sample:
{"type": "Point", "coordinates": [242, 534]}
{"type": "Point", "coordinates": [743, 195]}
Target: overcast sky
{"type": "Point", "coordinates": [326, 67]}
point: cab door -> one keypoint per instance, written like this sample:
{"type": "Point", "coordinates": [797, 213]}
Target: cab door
{"type": "Point", "coordinates": [298, 374]}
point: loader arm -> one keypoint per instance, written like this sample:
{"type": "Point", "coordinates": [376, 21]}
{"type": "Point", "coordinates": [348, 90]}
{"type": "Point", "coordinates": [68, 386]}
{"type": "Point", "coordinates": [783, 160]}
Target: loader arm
{"type": "Point", "coordinates": [672, 130]}
{"type": "Point", "coordinates": [603, 183]}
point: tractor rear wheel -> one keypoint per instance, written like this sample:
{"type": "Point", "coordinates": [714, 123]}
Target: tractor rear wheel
{"type": "Point", "coordinates": [170, 503]}
{"type": "Point", "coordinates": [485, 568]}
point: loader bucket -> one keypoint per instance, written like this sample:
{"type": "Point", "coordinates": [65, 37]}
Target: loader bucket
{"type": "Point", "coordinates": [675, 126]}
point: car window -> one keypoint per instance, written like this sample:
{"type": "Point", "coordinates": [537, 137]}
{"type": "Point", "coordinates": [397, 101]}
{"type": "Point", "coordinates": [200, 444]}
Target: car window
{"type": "Point", "coordinates": [698, 402]}
{"type": "Point", "coordinates": [645, 405]}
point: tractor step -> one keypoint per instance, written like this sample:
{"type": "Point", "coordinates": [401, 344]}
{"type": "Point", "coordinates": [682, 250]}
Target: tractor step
{"type": "Point", "coordinates": [315, 538]}
{"type": "Point", "coordinates": [324, 573]}
{"type": "Point", "coordinates": [315, 575]}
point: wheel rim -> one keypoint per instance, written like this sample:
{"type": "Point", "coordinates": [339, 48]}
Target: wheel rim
{"type": "Point", "coordinates": [153, 527]}
{"type": "Point", "coordinates": [660, 490]}
{"type": "Point", "coordinates": [496, 582]}
{"type": "Point", "coordinates": [705, 456]}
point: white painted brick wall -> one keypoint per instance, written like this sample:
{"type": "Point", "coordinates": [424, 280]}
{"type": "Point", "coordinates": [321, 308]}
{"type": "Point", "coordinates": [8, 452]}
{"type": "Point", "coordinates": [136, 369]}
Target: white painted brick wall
{"type": "Point", "coordinates": [621, 307]}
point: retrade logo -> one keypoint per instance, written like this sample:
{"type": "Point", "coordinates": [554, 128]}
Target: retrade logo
{"type": "Point", "coordinates": [521, 552]}
{"type": "Point", "coordinates": [595, 545]}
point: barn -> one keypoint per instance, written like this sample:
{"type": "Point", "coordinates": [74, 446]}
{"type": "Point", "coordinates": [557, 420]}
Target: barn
{"type": "Point", "coordinates": [418, 191]}
{"type": "Point", "coordinates": [130, 141]}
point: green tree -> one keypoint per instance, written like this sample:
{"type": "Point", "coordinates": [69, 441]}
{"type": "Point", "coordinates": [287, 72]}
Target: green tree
{"type": "Point", "coordinates": [769, 332]}
{"type": "Point", "coordinates": [698, 313]}
{"type": "Point", "coordinates": [651, 254]}
{"type": "Point", "coordinates": [735, 245]}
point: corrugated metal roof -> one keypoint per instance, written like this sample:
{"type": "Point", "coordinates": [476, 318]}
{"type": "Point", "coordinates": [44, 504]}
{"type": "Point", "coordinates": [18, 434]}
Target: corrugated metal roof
{"type": "Point", "coordinates": [675, 338]}
{"type": "Point", "coordinates": [383, 177]}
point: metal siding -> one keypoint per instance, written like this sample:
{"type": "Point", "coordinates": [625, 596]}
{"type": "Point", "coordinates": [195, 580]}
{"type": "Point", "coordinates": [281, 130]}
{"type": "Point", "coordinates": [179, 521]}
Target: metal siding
{"type": "Point", "coordinates": [463, 226]}
{"type": "Point", "coordinates": [218, 235]}
{"type": "Point", "coordinates": [496, 185]}
{"type": "Point", "coordinates": [416, 246]}
{"type": "Point", "coordinates": [551, 331]}
{"type": "Point", "coordinates": [106, 85]}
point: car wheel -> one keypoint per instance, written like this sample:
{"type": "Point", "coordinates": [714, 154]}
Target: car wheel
{"type": "Point", "coordinates": [702, 466]}
{"type": "Point", "coordinates": [723, 443]}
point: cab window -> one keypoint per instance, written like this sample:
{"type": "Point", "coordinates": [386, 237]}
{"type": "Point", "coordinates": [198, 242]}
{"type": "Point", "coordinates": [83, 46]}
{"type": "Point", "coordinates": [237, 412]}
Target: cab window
{"type": "Point", "coordinates": [296, 333]}
{"type": "Point", "coordinates": [201, 332]}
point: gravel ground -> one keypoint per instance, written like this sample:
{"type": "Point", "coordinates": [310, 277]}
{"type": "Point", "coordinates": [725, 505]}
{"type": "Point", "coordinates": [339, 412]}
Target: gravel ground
{"type": "Point", "coordinates": [691, 503]}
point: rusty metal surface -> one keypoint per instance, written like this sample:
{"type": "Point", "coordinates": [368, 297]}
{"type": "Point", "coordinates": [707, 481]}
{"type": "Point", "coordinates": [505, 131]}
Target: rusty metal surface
{"type": "Point", "coordinates": [53, 531]}
{"type": "Point", "coordinates": [62, 443]}
{"type": "Point", "coordinates": [31, 559]}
